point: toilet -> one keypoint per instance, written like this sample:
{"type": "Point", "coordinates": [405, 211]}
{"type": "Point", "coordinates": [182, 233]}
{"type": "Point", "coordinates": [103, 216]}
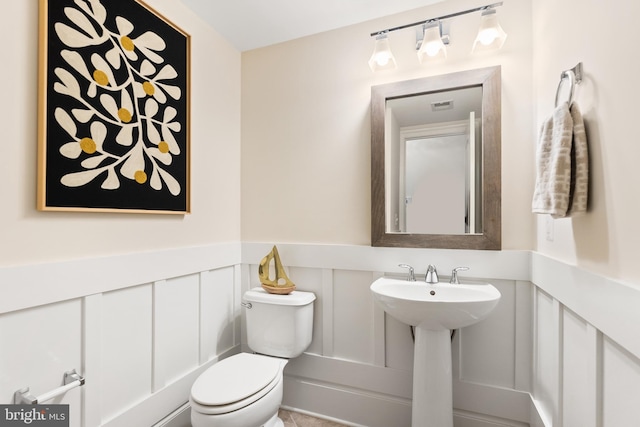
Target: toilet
{"type": "Point", "coordinates": [245, 390]}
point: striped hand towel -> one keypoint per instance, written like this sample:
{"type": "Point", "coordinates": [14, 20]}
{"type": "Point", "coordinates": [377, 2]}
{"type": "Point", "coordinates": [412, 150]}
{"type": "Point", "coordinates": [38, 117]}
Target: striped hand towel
{"type": "Point", "coordinates": [579, 165]}
{"type": "Point", "coordinates": [553, 164]}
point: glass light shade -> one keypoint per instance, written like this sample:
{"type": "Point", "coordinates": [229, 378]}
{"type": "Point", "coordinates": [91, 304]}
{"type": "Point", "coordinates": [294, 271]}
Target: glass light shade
{"type": "Point", "coordinates": [382, 58]}
{"type": "Point", "coordinates": [432, 46]}
{"type": "Point", "coordinates": [490, 34]}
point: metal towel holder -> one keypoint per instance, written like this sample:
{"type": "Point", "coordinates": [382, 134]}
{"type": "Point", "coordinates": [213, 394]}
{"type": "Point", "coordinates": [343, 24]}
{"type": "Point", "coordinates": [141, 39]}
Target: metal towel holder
{"type": "Point", "coordinates": [575, 77]}
{"type": "Point", "coordinates": [71, 380]}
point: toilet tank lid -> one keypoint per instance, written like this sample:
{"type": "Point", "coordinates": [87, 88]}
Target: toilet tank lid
{"type": "Point", "coordinates": [294, 298]}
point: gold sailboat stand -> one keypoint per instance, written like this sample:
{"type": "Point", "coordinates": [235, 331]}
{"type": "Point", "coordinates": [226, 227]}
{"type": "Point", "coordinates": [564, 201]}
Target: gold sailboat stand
{"type": "Point", "coordinates": [281, 284]}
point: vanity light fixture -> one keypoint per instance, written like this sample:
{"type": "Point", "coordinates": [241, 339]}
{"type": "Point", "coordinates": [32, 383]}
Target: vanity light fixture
{"type": "Point", "coordinates": [433, 44]}
{"type": "Point", "coordinates": [382, 58]}
{"type": "Point", "coordinates": [490, 35]}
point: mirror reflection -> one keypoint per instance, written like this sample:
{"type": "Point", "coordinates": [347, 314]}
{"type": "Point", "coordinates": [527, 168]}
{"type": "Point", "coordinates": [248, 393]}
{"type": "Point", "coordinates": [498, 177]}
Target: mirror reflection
{"type": "Point", "coordinates": [435, 161]}
{"type": "Point", "coordinates": [437, 139]}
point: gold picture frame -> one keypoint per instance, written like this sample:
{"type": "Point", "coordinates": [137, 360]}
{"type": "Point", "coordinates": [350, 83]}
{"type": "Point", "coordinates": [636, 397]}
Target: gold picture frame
{"type": "Point", "coordinates": [113, 109]}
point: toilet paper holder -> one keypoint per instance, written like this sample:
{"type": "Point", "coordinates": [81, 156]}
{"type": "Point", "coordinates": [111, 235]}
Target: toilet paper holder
{"type": "Point", "coordinates": [71, 380]}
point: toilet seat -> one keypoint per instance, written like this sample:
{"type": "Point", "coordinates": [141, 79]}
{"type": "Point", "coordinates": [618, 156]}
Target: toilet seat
{"type": "Point", "coordinates": [235, 382]}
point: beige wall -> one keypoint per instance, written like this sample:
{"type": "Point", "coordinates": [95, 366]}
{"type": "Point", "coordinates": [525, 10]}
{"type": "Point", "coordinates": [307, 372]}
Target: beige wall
{"type": "Point", "coordinates": [603, 37]}
{"type": "Point", "coordinates": [305, 136]}
{"type": "Point", "coordinates": [306, 126]}
{"type": "Point", "coordinates": [29, 236]}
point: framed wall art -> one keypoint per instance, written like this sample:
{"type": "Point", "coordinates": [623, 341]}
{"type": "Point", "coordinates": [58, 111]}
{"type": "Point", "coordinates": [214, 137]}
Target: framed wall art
{"type": "Point", "coordinates": [113, 123]}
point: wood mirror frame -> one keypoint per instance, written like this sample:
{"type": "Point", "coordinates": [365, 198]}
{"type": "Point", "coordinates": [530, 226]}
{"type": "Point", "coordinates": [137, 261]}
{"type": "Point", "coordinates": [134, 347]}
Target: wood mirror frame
{"type": "Point", "coordinates": [490, 237]}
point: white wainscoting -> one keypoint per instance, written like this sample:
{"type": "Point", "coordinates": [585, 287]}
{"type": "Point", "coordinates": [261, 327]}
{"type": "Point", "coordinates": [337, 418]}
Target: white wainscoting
{"type": "Point", "coordinates": [140, 328]}
{"type": "Point", "coordinates": [358, 368]}
{"type": "Point", "coordinates": [586, 369]}
{"type": "Point", "coordinates": [560, 350]}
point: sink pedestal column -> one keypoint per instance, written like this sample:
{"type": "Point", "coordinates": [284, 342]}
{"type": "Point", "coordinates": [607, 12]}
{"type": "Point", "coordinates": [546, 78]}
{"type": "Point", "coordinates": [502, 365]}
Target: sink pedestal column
{"type": "Point", "coordinates": [432, 404]}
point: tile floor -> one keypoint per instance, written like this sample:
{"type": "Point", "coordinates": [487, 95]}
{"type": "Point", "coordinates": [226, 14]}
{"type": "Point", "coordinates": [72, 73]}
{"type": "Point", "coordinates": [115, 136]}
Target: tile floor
{"type": "Point", "coordinates": [295, 419]}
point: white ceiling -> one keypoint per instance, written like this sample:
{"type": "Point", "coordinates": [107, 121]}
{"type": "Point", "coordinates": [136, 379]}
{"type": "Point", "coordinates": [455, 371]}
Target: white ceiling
{"type": "Point", "coordinates": [249, 24]}
{"type": "Point", "coordinates": [417, 110]}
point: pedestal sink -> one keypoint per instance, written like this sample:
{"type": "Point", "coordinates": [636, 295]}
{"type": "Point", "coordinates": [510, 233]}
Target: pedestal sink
{"type": "Point", "coordinates": [434, 309]}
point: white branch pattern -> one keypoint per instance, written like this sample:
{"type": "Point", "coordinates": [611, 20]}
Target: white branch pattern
{"type": "Point", "coordinates": [135, 106]}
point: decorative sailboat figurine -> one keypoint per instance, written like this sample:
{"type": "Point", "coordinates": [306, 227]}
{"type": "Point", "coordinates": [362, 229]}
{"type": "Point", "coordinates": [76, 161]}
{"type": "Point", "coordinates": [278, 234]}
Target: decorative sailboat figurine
{"type": "Point", "coordinates": [281, 284]}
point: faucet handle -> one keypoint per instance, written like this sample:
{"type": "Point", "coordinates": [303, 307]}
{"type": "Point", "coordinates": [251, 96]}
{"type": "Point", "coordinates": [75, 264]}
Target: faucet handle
{"type": "Point", "coordinates": [454, 275]}
{"type": "Point", "coordinates": [432, 274]}
{"type": "Point", "coordinates": [412, 276]}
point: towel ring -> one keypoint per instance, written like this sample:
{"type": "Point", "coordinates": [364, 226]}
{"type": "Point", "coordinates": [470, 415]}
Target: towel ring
{"type": "Point", "coordinates": [575, 76]}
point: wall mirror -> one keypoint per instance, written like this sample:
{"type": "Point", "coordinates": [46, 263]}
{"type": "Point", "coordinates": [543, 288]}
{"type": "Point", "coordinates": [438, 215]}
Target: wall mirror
{"type": "Point", "coordinates": [435, 161]}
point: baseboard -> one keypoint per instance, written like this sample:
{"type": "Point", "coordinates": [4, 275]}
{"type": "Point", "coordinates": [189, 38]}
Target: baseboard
{"type": "Point", "coordinates": [319, 416]}
{"type": "Point", "coordinates": [346, 403]}
{"type": "Point", "coordinates": [351, 407]}
{"type": "Point", "coordinates": [490, 401]}
{"type": "Point", "coordinates": [460, 419]}
{"type": "Point", "coordinates": [181, 417]}
{"type": "Point", "coordinates": [471, 419]}
{"type": "Point", "coordinates": [537, 416]}
{"type": "Point", "coordinates": [342, 390]}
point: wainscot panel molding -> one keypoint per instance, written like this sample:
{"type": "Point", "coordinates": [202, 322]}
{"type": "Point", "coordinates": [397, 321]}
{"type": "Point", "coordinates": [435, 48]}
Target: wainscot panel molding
{"type": "Point", "coordinates": [358, 368]}
{"type": "Point", "coordinates": [510, 265]}
{"type": "Point", "coordinates": [149, 410]}
{"type": "Point", "coordinates": [611, 306]}
{"type": "Point", "coordinates": [561, 349]}
{"type": "Point", "coordinates": [37, 284]}
{"type": "Point", "coordinates": [586, 364]}
{"type": "Point", "coordinates": [140, 328]}
{"type": "Point", "coordinates": [490, 401]}
{"type": "Point", "coordinates": [364, 395]}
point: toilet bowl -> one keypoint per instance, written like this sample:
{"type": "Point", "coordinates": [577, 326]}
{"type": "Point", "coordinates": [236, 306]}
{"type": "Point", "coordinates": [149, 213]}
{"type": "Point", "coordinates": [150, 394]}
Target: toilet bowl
{"type": "Point", "coordinates": [240, 391]}
{"type": "Point", "coordinates": [246, 389]}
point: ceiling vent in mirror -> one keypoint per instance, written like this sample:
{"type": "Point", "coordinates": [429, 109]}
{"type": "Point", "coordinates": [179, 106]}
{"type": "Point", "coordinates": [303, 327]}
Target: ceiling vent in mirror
{"type": "Point", "coordinates": [442, 105]}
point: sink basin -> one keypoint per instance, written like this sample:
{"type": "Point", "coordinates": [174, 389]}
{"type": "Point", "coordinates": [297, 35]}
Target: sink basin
{"type": "Point", "coordinates": [434, 310]}
{"type": "Point", "coordinates": [435, 306]}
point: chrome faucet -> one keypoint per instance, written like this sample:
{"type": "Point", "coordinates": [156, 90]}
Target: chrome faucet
{"type": "Point", "coordinates": [412, 275]}
{"type": "Point", "coordinates": [432, 274]}
{"type": "Point", "coordinates": [454, 275]}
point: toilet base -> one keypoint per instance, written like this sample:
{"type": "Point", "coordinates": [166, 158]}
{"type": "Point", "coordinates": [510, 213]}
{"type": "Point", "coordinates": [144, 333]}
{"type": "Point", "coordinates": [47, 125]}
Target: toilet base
{"type": "Point", "coordinates": [199, 420]}
{"type": "Point", "coordinates": [274, 421]}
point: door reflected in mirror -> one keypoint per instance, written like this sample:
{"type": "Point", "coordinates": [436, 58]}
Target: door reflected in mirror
{"type": "Point", "coordinates": [437, 139]}
{"type": "Point", "coordinates": [435, 161]}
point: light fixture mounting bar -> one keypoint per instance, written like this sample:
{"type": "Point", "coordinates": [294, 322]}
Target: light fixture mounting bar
{"type": "Point", "coordinates": [451, 15]}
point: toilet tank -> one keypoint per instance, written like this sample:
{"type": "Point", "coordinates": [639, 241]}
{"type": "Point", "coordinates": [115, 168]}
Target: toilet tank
{"type": "Point", "coordinates": [279, 325]}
